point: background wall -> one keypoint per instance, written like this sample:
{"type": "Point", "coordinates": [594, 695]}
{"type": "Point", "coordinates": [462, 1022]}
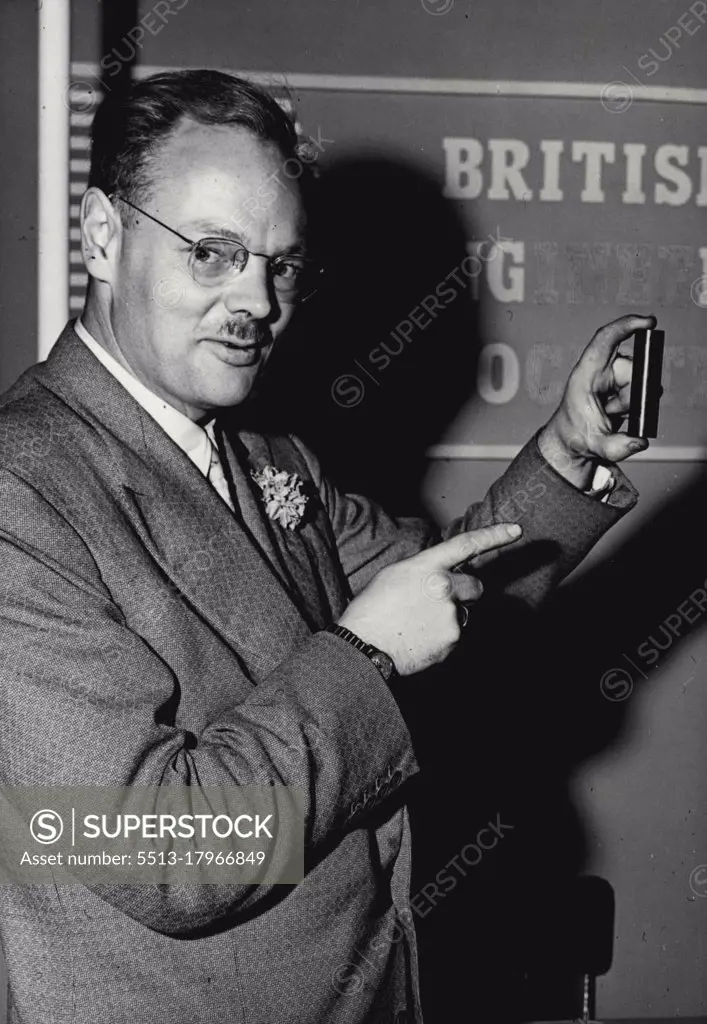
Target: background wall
{"type": "Point", "coordinates": [602, 779]}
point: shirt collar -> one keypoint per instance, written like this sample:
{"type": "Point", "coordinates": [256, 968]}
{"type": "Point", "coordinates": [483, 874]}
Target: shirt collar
{"type": "Point", "coordinates": [192, 438]}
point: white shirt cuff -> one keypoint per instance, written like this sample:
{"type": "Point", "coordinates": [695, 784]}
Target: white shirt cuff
{"type": "Point", "coordinates": [603, 484]}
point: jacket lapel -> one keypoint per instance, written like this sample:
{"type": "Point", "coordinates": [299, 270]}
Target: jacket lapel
{"type": "Point", "coordinates": [237, 451]}
{"type": "Point", "coordinates": [301, 558]}
{"type": "Point", "coordinates": [218, 564]}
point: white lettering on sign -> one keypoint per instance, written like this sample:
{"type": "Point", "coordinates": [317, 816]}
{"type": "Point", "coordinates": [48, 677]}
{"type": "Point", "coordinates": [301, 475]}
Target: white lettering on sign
{"type": "Point", "coordinates": [667, 160]}
{"type": "Point", "coordinates": [593, 154]}
{"type": "Point", "coordinates": [498, 374]}
{"type": "Point", "coordinates": [596, 273]}
{"type": "Point", "coordinates": [545, 368]}
{"type": "Point", "coordinates": [702, 195]}
{"type": "Point", "coordinates": [633, 192]}
{"type": "Point", "coordinates": [507, 284]}
{"type": "Point", "coordinates": [508, 158]}
{"type": "Point", "coordinates": [552, 150]}
{"type": "Point", "coordinates": [498, 169]}
{"type": "Point", "coordinates": [462, 160]}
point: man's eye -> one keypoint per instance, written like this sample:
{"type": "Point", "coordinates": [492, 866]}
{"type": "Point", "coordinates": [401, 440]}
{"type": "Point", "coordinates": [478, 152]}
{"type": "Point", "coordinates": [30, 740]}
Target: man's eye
{"type": "Point", "coordinates": [205, 254]}
{"type": "Point", "coordinates": [288, 270]}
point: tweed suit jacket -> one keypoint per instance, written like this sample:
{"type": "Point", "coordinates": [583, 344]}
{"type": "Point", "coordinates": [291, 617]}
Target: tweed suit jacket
{"type": "Point", "coordinates": [112, 540]}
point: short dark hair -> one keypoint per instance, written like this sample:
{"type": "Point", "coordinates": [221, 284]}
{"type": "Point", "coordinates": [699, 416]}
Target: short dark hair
{"type": "Point", "coordinates": [129, 126]}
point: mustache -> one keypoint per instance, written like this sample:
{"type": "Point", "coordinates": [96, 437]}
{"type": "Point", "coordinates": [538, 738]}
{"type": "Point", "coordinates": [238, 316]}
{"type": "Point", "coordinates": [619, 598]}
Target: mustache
{"type": "Point", "coordinates": [249, 331]}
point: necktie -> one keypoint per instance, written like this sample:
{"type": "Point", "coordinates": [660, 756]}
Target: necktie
{"type": "Point", "coordinates": [215, 474]}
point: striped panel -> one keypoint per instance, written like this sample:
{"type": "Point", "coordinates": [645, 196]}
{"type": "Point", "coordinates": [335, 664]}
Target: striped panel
{"type": "Point", "coordinates": [85, 96]}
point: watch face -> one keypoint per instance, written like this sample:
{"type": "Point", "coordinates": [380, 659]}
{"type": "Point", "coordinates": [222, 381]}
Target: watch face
{"type": "Point", "coordinates": [384, 664]}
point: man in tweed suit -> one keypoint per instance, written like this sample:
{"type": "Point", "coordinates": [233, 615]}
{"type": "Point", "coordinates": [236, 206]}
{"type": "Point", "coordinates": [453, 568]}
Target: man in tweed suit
{"type": "Point", "coordinates": [157, 625]}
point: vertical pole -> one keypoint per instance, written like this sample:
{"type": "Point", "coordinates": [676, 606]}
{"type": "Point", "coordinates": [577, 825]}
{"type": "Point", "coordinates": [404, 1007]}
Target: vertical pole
{"type": "Point", "coordinates": [53, 197]}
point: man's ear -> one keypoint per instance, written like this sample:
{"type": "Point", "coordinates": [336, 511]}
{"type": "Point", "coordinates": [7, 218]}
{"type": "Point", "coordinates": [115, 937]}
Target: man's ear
{"type": "Point", "coordinates": [101, 235]}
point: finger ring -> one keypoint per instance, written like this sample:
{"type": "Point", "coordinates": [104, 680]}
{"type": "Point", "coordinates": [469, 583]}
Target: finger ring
{"type": "Point", "coordinates": [462, 615]}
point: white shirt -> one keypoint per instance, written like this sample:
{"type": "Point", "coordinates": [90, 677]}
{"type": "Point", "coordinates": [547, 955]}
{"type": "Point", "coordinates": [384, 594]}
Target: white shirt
{"type": "Point", "coordinates": [191, 438]}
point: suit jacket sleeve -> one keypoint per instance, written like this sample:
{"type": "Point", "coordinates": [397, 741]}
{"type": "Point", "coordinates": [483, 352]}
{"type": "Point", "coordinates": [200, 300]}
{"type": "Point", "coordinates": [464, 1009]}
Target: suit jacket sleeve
{"type": "Point", "coordinates": [560, 525]}
{"type": "Point", "coordinates": [82, 703]}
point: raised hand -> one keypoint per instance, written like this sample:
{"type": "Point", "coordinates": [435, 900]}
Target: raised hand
{"type": "Point", "coordinates": [584, 428]}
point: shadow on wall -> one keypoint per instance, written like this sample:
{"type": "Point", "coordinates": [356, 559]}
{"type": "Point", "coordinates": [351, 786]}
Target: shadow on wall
{"type": "Point", "coordinates": [367, 376]}
{"type": "Point", "coordinates": [503, 725]}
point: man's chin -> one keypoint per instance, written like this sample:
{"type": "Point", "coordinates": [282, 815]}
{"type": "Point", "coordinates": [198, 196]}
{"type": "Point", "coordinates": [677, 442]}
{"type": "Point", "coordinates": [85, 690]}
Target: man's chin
{"type": "Point", "coordinates": [232, 386]}
{"type": "Point", "coordinates": [228, 375]}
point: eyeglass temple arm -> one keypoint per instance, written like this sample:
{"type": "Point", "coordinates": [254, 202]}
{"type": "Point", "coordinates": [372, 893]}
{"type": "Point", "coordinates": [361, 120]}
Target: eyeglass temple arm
{"type": "Point", "coordinates": [155, 219]}
{"type": "Point", "coordinates": [190, 241]}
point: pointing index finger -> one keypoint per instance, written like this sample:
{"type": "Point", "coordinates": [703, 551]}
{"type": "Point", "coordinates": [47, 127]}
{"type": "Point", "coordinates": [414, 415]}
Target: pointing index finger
{"type": "Point", "coordinates": [464, 546]}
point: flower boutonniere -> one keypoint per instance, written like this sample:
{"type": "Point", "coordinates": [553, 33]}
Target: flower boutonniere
{"type": "Point", "coordinates": [282, 495]}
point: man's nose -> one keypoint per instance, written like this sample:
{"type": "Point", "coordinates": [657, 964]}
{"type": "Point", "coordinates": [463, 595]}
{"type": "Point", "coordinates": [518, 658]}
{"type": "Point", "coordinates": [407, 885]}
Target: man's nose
{"type": "Point", "coordinates": [250, 290]}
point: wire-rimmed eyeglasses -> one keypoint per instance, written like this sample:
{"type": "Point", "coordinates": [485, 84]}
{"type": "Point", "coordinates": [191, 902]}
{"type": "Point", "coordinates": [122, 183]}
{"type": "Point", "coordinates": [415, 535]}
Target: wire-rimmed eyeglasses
{"type": "Point", "coordinates": [213, 260]}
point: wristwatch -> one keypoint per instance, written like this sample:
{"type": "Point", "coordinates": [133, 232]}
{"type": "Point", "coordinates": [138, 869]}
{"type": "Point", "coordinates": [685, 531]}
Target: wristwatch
{"type": "Point", "coordinates": [383, 662]}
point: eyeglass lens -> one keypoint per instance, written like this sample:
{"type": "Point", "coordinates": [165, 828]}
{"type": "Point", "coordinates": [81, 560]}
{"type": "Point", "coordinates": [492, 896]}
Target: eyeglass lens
{"type": "Point", "coordinates": [212, 260]}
